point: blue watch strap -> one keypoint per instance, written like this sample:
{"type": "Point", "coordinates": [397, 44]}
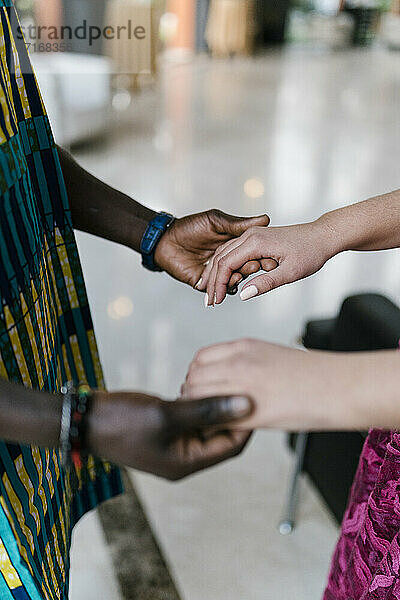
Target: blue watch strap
{"type": "Point", "coordinates": [154, 232]}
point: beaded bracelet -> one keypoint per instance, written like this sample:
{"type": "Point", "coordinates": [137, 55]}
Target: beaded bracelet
{"type": "Point", "coordinates": [73, 435]}
{"type": "Point", "coordinates": [66, 392]}
{"type": "Point", "coordinates": [81, 405]}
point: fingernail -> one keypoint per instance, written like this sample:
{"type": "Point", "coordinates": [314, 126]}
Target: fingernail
{"type": "Point", "coordinates": [249, 292]}
{"type": "Point", "coordinates": [198, 284]}
{"type": "Point", "coordinates": [215, 298]}
{"type": "Point", "coordinates": [206, 301]}
{"type": "Point", "coordinates": [240, 405]}
{"type": "Point", "coordinates": [206, 263]}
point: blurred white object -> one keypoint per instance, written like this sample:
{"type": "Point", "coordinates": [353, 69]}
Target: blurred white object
{"type": "Point", "coordinates": [390, 30]}
{"type": "Point", "coordinates": [320, 30]}
{"type": "Point", "coordinates": [77, 92]}
{"type": "Point", "coordinates": [169, 24]}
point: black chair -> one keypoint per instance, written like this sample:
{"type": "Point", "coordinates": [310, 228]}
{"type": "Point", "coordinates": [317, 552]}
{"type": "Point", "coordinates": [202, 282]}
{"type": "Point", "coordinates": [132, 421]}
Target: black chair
{"type": "Point", "coordinates": [365, 322]}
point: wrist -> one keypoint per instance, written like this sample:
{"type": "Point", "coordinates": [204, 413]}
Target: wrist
{"type": "Point", "coordinates": [152, 246]}
{"type": "Point", "coordinates": [163, 246]}
{"type": "Point", "coordinates": [137, 228]}
{"type": "Point", "coordinates": [329, 400]}
{"type": "Point", "coordinates": [345, 396]}
{"type": "Point", "coordinates": [332, 234]}
{"type": "Point", "coordinates": [350, 390]}
{"type": "Point", "coordinates": [100, 438]}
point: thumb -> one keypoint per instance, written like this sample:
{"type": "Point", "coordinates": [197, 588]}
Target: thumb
{"type": "Point", "coordinates": [198, 414]}
{"type": "Point", "coordinates": [235, 226]}
{"type": "Point", "coordinates": [265, 283]}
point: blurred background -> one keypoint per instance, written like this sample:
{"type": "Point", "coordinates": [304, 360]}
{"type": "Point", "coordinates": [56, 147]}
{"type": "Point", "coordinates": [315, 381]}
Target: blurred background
{"type": "Point", "coordinates": [290, 107]}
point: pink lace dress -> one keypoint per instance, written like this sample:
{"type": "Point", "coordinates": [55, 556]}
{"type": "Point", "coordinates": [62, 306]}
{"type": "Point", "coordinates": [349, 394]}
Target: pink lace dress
{"type": "Point", "coordinates": [366, 562]}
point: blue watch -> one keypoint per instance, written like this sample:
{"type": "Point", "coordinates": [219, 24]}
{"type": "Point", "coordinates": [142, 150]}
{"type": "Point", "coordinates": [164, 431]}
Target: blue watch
{"type": "Point", "coordinates": [154, 232]}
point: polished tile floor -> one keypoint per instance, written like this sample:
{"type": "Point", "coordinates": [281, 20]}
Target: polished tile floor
{"type": "Point", "coordinates": [316, 131]}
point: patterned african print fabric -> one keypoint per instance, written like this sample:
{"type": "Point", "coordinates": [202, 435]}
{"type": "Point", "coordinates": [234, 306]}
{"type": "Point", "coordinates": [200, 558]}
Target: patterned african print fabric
{"type": "Point", "coordinates": [46, 335]}
{"type": "Point", "coordinates": [366, 563]}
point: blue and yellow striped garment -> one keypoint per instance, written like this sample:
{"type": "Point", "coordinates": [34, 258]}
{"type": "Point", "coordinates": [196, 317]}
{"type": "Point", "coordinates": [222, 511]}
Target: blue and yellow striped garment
{"type": "Point", "coordinates": [46, 335]}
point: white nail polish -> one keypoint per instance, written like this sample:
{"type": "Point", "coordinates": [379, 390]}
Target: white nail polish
{"type": "Point", "coordinates": [198, 284]}
{"type": "Point", "coordinates": [215, 299]}
{"type": "Point", "coordinates": [249, 292]}
{"type": "Point", "coordinates": [206, 301]}
{"type": "Point", "coordinates": [206, 263]}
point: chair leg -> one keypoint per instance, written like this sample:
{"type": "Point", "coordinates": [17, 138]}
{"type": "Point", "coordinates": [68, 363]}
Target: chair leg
{"type": "Point", "coordinates": [288, 523]}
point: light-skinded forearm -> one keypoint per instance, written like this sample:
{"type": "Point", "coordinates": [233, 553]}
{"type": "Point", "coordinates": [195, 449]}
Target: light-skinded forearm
{"type": "Point", "coordinates": [370, 225]}
{"type": "Point", "coordinates": [364, 390]}
{"type": "Point", "coordinates": [101, 210]}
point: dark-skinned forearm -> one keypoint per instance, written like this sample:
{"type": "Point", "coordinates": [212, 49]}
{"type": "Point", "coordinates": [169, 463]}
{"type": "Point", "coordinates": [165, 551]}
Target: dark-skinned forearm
{"type": "Point", "coordinates": [33, 418]}
{"type": "Point", "coordinates": [29, 417]}
{"type": "Point", "coordinates": [101, 210]}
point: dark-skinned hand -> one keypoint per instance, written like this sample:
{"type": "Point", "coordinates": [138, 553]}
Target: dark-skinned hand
{"type": "Point", "coordinates": [191, 241]}
{"type": "Point", "coordinates": [168, 439]}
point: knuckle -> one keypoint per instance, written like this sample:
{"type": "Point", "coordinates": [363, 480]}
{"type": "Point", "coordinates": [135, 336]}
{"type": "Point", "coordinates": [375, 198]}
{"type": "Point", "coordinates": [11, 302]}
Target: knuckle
{"type": "Point", "coordinates": [165, 417]}
{"type": "Point", "coordinates": [217, 259]}
{"type": "Point", "coordinates": [196, 360]}
{"type": "Point", "coordinates": [187, 390]}
{"type": "Point", "coordinates": [268, 282]}
{"type": "Point", "coordinates": [214, 212]}
{"type": "Point", "coordinates": [198, 357]}
{"type": "Point", "coordinates": [175, 475]}
{"type": "Point", "coordinates": [237, 450]}
{"type": "Point", "coordinates": [190, 378]}
{"type": "Point", "coordinates": [201, 356]}
{"type": "Point", "coordinates": [215, 216]}
{"type": "Point", "coordinates": [237, 346]}
{"type": "Point", "coordinates": [246, 344]}
{"type": "Point", "coordinates": [223, 265]}
{"type": "Point", "coordinates": [254, 231]}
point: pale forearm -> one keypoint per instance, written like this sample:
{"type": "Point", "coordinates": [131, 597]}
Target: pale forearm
{"type": "Point", "coordinates": [370, 225]}
{"type": "Point", "coordinates": [363, 390]}
{"type": "Point", "coordinates": [29, 417]}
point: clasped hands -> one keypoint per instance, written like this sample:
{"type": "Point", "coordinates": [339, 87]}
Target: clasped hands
{"type": "Point", "coordinates": [235, 387]}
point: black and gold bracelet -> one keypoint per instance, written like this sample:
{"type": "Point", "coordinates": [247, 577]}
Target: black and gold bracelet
{"type": "Point", "coordinates": [74, 423]}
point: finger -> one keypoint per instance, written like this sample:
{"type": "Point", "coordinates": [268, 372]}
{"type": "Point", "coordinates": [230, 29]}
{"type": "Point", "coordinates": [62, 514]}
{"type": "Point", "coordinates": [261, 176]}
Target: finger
{"type": "Point", "coordinates": [232, 291]}
{"type": "Point", "coordinates": [268, 264]}
{"type": "Point", "coordinates": [224, 248]}
{"type": "Point", "coordinates": [209, 390]}
{"type": "Point", "coordinates": [211, 373]}
{"type": "Point", "coordinates": [234, 281]}
{"type": "Point", "coordinates": [267, 282]}
{"type": "Point", "coordinates": [218, 254]}
{"type": "Point", "coordinates": [247, 269]}
{"type": "Point", "coordinates": [217, 353]}
{"type": "Point", "coordinates": [235, 226]}
{"type": "Point", "coordinates": [236, 259]}
{"type": "Point", "coordinates": [251, 267]}
{"type": "Point", "coordinates": [198, 455]}
{"type": "Point", "coordinates": [189, 416]}
{"type": "Point", "coordinates": [243, 256]}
